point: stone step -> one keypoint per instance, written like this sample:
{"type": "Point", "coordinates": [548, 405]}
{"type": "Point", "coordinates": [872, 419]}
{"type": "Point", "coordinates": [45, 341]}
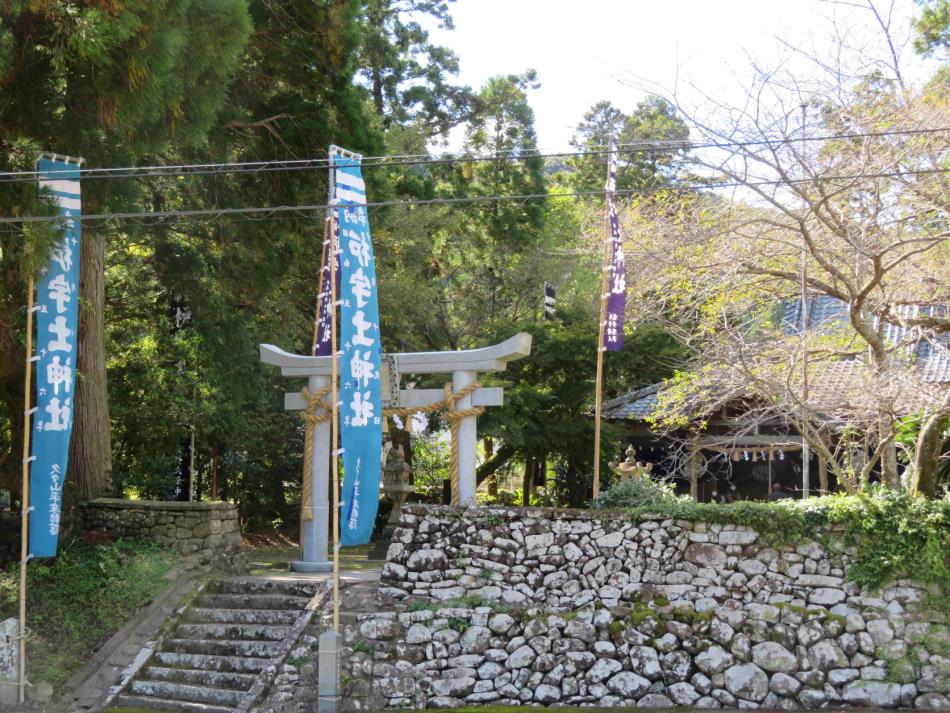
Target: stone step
{"type": "Point", "coordinates": [237, 632]}
{"type": "Point", "coordinates": [210, 662]}
{"type": "Point", "coordinates": [263, 585]}
{"type": "Point", "coordinates": [223, 647]}
{"type": "Point", "coordinates": [170, 690]}
{"type": "Point", "coordinates": [201, 615]}
{"type": "Point", "coordinates": [251, 601]}
{"type": "Point", "coordinates": [200, 677]}
{"type": "Point", "coordinates": [158, 704]}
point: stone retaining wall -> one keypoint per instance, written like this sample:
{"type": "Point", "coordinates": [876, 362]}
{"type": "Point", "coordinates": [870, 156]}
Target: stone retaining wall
{"type": "Point", "coordinates": [208, 532]}
{"type": "Point", "coordinates": [556, 606]}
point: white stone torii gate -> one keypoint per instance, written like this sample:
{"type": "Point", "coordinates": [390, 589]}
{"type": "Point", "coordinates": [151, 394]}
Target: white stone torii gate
{"type": "Point", "coordinates": [464, 367]}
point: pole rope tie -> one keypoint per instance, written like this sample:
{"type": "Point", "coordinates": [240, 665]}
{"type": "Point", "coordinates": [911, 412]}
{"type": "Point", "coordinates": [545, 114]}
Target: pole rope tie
{"type": "Point", "coordinates": [311, 419]}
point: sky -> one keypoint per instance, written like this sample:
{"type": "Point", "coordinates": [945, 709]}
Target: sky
{"type": "Point", "coordinates": [621, 50]}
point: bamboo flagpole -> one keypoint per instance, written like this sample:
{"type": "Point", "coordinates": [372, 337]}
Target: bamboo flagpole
{"type": "Point", "coordinates": [335, 422]}
{"type": "Point", "coordinates": [598, 387]}
{"type": "Point", "coordinates": [806, 453]}
{"type": "Point", "coordinates": [613, 299]}
{"type": "Point", "coordinates": [25, 511]}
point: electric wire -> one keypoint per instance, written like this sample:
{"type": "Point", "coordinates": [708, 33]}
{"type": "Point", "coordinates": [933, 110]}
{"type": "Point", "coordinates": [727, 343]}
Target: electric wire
{"type": "Point", "coordinates": [393, 160]}
{"type": "Point", "coordinates": [267, 211]}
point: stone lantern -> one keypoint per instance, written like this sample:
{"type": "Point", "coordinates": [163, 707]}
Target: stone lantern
{"type": "Point", "coordinates": [631, 468]}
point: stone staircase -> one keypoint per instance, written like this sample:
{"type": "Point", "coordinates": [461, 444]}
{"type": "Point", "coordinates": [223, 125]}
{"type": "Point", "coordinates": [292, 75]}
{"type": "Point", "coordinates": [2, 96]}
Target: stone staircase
{"type": "Point", "coordinates": [221, 645]}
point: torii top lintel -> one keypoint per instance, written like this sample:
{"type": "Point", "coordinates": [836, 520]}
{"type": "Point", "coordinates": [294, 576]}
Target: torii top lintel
{"type": "Point", "coordinates": [492, 358]}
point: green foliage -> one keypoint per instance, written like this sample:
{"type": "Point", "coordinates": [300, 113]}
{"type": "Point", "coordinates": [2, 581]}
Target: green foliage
{"type": "Point", "coordinates": [362, 647]}
{"type": "Point", "coordinates": [459, 625]}
{"type": "Point", "coordinates": [933, 27]}
{"type": "Point", "coordinates": [407, 75]}
{"type": "Point", "coordinates": [82, 598]}
{"type": "Point", "coordinates": [653, 120]}
{"type": "Point", "coordinates": [637, 493]}
{"type": "Point", "coordinates": [894, 534]}
{"type": "Point", "coordinates": [431, 466]}
{"type": "Point", "coordinates": [545, 394]}
{"type": "Point", "coordinates": [641, 612]}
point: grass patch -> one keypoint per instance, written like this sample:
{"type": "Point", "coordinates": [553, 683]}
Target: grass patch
{"type": "Point", "coordinates": [80, 599]}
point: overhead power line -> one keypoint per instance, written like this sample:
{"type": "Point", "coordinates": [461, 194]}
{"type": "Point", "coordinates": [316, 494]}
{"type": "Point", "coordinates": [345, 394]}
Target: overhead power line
{"type": "Point", "coordinates": [291, 165]}
{"type": "Point", "coordinates": [266, 211]}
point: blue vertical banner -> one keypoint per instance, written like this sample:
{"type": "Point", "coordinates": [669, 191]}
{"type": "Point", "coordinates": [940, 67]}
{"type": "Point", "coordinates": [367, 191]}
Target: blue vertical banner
{"type": "Point", "coordinates": [361, 417]}
{"type": "Point", "coordinates": [57, 319]}
{"type": "Point", "coordinates": [617, 268]}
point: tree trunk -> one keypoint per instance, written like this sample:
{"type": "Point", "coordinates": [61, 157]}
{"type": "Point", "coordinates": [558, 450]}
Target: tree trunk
{"type": "Point", "coordinates": [11, 471]}
{"type": "Point", "coordinates": [527, 482]}
{"type": "Point", "coordinates": [90, 450]}
{"type": "Point", "coordinates": [889, 474]}
{"type": "Point", "coordinates": [214, 474]}
{"type": "Point", "coordinates": [542, 479]}
{"type": "Point", "coordinates": [927, 457]}
{"type": "Point", "coordinates": [498, 460]}
{"type": "Point", "coordinates": [577, 491]}
{"type": "Point", "coordinates": [378, 102]}
{"type": "Point", "coordinates": [489, 446]}
{"type": "Point", "coordinates": [822, 475]}
{"type": "Point", "coordinates": [12, 363]}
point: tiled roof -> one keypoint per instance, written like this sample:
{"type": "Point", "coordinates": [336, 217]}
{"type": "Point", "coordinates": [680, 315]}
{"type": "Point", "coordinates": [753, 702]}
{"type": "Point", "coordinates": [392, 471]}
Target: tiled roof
{"type": "Point", "coordinates": [931, 355]}
{"type": "Point", "coordinates": [634, 406]}
{"type": "Point", "coordinates": [836, 389]}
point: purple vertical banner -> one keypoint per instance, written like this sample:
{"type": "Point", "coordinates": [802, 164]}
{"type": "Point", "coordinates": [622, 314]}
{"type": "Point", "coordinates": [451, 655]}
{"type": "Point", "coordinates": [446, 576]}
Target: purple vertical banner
{"type": "Point", "coordinates": [617, 268]}
{"type": "Point", "coordinates": [322, 344]}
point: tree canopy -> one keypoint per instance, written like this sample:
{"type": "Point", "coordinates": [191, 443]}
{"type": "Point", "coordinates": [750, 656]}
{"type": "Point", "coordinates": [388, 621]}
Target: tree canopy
{"type": "Point", "coordinates": [187, 82]}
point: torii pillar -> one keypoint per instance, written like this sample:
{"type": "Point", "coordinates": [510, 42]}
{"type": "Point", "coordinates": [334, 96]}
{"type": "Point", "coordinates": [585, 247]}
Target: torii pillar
{"type": "Point", "coordinates": [464, 366]}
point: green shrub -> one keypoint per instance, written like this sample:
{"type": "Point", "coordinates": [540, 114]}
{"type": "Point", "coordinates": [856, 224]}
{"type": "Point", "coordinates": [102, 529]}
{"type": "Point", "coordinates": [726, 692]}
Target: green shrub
{"type": "Point", "coordinates": [80, 599]}
{"type": "Point", "coordinates": [431, 465]}
{"type": "Point", "coordinates": [637, 493]}
{"type": "Point", "coordinates": [894, 534]}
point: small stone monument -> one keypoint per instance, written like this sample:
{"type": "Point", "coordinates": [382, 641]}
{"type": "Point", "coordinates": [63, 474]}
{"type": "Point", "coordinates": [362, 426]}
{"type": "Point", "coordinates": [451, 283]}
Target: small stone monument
{"type": "Point", "coordinates": [9, 662]}
{"type": "Point", "coordinates": [396, 487]}
{"type": "Point", "coordinates": [396, 484]}
{"type": "Point", "coordinates": [631, 468]}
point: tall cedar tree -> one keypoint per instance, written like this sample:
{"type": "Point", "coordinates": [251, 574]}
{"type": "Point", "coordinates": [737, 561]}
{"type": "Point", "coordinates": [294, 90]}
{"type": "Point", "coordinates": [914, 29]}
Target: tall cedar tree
{"type": "Point", "coordinates": [115, 83]}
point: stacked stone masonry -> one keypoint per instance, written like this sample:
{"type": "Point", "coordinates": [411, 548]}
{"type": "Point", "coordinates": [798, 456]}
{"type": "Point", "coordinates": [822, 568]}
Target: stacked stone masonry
{"type": "Point", "coordinates": [208, 531]}
{"type": "Point", "coordinates": [540, 606]}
